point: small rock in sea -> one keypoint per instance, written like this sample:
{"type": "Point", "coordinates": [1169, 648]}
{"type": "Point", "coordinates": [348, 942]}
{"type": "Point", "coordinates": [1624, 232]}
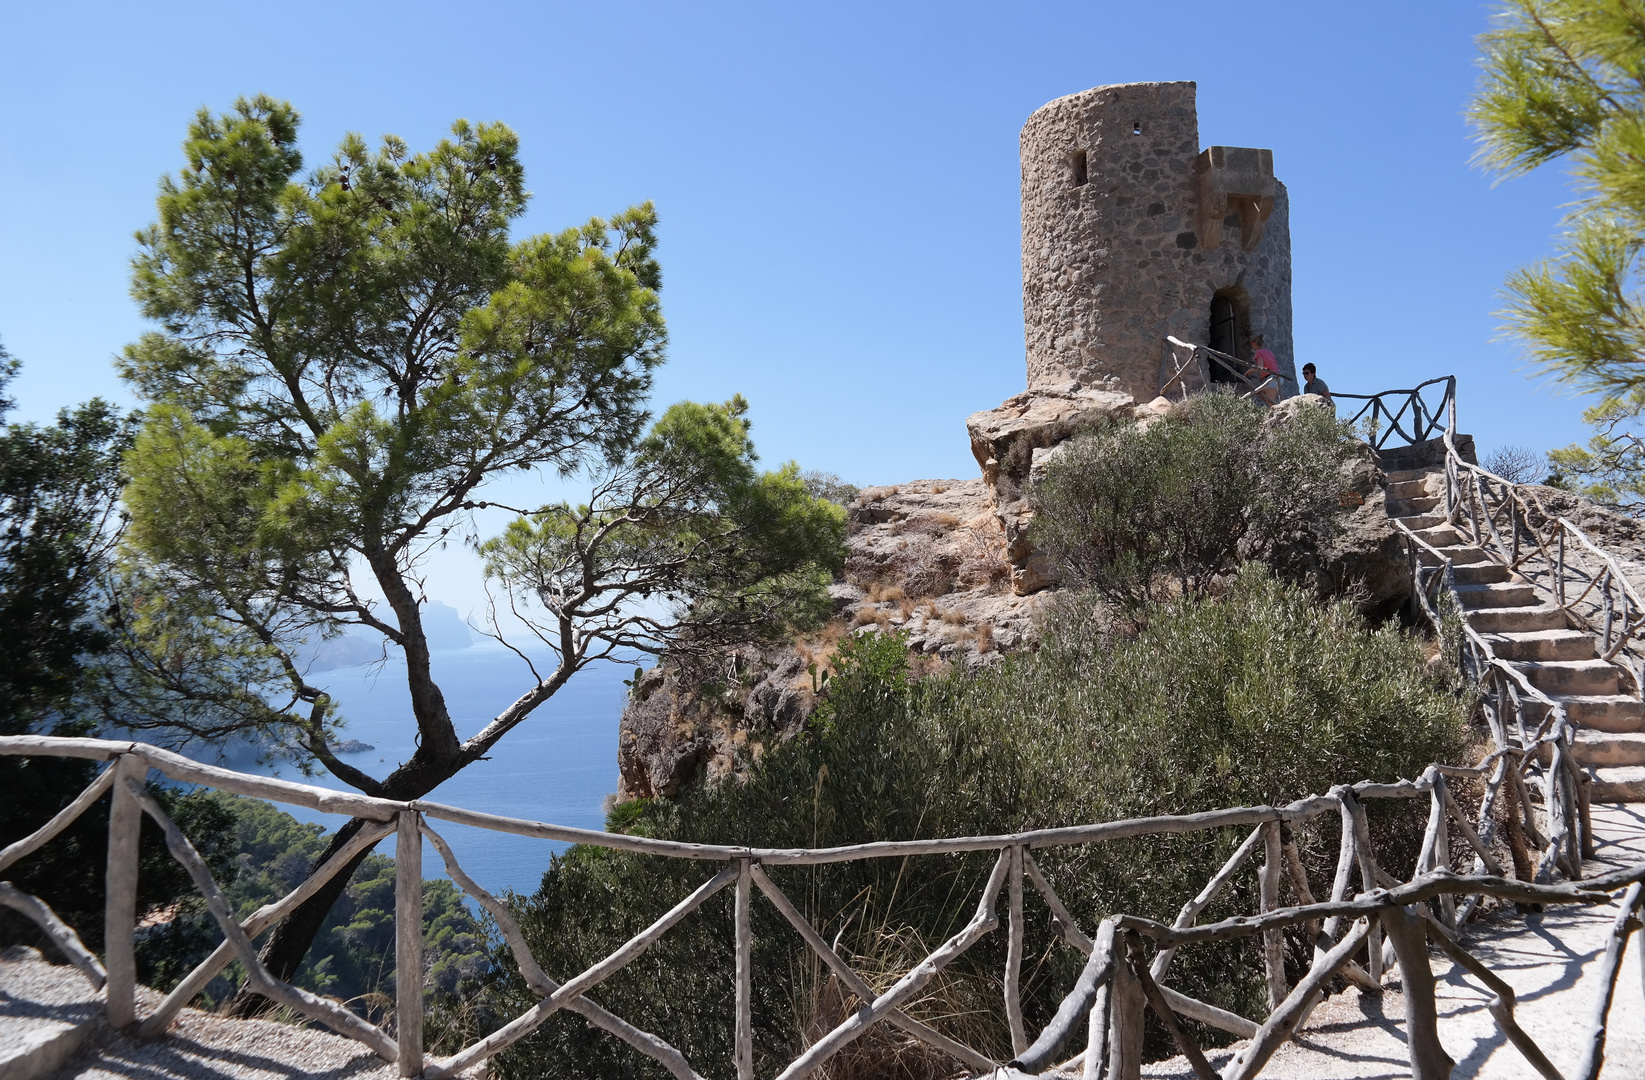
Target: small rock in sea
{"type": "Point", "coordinates": [349, 746]}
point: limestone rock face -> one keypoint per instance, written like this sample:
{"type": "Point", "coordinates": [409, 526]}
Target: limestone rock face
{"type": "Point", "coordinates": [932, 558]}
{"type": "Point", "coordinates": [927, 558]}
{"type": "Point", "coordinates": [1367, 559]}
{"type": "Point", "coordinates": [704, 717]}
{"type": "Point", "coordinates": [1039, 418]}
{"type": "Point", "coordinates": [1013, 440]}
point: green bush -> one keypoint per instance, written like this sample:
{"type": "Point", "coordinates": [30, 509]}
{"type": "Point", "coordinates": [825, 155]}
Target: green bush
{"type": "Point", "coordinates": [1264, 696]}
{"type": "Point", "coordinates": [1217, 481]}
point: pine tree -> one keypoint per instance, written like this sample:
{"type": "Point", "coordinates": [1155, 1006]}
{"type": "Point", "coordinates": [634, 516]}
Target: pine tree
{"type": "Point", "coordinates": [1564, 80]}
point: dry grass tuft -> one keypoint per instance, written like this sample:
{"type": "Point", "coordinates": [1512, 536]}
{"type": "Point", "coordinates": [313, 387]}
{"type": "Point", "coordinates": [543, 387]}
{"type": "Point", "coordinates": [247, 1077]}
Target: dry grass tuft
{"type": "Point", "coordinates": [960, 1007]}
{"type": "Point", "coordinates": [926, 570]}
{"type": "Point", "coordinates": [982, 553]}
{"type": "Point", "coordinates": [867, 616]}
{"type": "Point", "coordinates": [956, 617]}
{"type": "Point", "coordinates": [985, 637]}
{"type": "Point", "coordinates": [928, 523]}
{"type": "Point", "coordinates": [883, 592]}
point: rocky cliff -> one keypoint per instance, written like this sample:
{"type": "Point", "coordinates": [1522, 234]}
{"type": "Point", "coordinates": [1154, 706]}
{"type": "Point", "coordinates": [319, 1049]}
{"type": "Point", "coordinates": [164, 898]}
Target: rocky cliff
{"type": "Point", "coordinates": [951, 564]}
{"type": "Point", "coordinates": [926, 557]}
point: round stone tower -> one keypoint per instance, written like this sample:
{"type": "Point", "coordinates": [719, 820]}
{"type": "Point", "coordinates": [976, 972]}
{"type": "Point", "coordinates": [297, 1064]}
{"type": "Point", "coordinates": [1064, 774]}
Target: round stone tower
{"type": "Point", "coordinates": [1130, 232]}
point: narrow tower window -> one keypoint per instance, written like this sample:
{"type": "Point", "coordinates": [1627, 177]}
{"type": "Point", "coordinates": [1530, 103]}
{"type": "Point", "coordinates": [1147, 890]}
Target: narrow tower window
{"type": "Point", "coordinates": [1076, 166]}
{"type": "Point", "coordinates": [1136, 128]}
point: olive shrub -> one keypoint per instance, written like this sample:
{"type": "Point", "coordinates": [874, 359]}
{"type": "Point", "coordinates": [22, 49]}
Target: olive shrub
{"type": "Point", "coordinates": [1136, 511]}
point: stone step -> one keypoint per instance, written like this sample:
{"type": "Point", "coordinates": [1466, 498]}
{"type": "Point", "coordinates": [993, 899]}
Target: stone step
{"type": "Point", "coordinates": [1608, 747]}
{"type": "Point", "coordinates": [1418, 504]}
{"type": "Point", "coordinates": [1498, 594]}
{"type": "Point", "coordinates": [1621, 784]}
{"type": "Point", "coordinates": [1440, 536]}
{"type": "Point", "coordinates": [1480, 573]}
{"type": "Point", "coordinates": [1405, 476]}
{"type": "Point", "coordinates": [1543, 645]}
{"type": "Point", "coordinates": [1516, 620]}
{"type": "Point", "coordinates": [1582, 678]}
{"type": "Point", "coordinates": [1407, 489]}
{"type": "Point", "coordinates": [1464, 554]}
{"type": "Point", "coordinates": [1616, 713]}
{"type": "Point", "coordinates": [39, 1047]}
{"type": "Point", "coordinates": [1419, 523]}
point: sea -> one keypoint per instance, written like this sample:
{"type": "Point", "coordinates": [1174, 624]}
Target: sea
{"type": "Point", "coordinates": [557, 766]}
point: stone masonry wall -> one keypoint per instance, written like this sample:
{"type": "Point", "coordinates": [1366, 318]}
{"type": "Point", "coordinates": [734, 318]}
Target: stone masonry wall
{"type": "Point", "coordinates": [1113, 264]}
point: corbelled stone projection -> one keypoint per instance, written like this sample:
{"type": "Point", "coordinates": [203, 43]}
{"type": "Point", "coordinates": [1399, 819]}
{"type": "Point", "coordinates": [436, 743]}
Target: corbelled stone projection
{"type": "Point", "coordinates": [1131, 232]}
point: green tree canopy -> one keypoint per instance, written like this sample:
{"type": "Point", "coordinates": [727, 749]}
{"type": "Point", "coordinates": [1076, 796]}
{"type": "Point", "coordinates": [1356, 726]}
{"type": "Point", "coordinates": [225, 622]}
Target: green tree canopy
{"type": "Point", "coordinates": [343, 361]}
{"type": "Point", "coordinates": [59, 484]}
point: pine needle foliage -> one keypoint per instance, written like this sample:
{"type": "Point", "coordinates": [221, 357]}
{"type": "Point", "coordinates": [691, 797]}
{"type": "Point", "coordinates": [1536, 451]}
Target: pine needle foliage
{"type": "Point", "coordinates": [1564, 80]}
{"type": "Point", "coordinates": [343, 361]}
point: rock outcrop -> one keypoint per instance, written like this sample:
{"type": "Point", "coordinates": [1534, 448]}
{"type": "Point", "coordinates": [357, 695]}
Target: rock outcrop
{"type": "Point", "coordinates": [926, 558]}
{"type": "Point", "coordinates": [1366, 559]}
{"type": "Point", "coordinates": [1011, 440]}
{"type": "Point", "coordinates": [950, 564]}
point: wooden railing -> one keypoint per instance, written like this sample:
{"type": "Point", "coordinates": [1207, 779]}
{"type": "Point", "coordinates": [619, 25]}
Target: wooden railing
{"type": "Point", "coordinates": [1233, 369]}
{"type": "Point", "coordinates": [1119, 980]}
{"type": "Point", "coordinates": [1511, 523]}
{"type": "Point", "coordinates": [1527, 725]}
{"type": "Point", "coordinates": [1406, 414]}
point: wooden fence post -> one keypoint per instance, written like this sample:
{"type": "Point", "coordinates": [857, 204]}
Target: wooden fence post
{"type": "Point", "coordinates": [1273, 941]}
{"type": "Point", "coordinates": [1367, 881]}
{"type": "Point", "coordinates": [745, 975]}
{"type": "Point", "coordinates": [408, 942]}
{"type": "Point", "coordinates": [1627, 921]}
{"type": "Point", "coordinates": [1097, 1024]}
{"type": "Point", "coordinates": [1013, 952]}
{"type": "Point", "coordinates": [1125, 1006]}
{"type": "Point", "coordinates": [120, 891]}
{"type": "Point", "coordinates": [1409, 936]}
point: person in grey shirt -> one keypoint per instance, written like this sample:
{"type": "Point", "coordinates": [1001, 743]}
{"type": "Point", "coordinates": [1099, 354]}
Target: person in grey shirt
{"type": "Point", "coordinates": [1313, 384]}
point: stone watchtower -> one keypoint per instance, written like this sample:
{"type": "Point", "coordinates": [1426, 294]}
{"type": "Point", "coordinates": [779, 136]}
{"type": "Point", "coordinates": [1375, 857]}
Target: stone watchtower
{"type": "Point", "coordinates": [1131, 232]}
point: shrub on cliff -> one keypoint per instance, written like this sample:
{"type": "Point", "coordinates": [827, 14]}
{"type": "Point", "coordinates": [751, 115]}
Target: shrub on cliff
{"type": "Point", "coordinates": [1261, 697]}
{"type": "Point", "coordinates": [1215, 482]}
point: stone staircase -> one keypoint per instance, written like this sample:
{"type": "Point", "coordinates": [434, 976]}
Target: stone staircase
{"type": "Point", "coordinates": [1526, 629]}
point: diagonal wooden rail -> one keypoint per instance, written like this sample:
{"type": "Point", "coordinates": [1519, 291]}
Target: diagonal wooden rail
{"type": "Point", "coordinates": [1405, 417]}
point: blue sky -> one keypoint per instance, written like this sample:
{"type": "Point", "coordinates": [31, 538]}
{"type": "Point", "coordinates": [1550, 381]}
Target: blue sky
{"type": "Point", "coordinates": [837, 182]}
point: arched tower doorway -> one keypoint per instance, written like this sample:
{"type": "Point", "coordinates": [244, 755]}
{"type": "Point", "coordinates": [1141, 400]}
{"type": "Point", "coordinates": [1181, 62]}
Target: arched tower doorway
{"type": "Point", "coordinates": [1230, 329]}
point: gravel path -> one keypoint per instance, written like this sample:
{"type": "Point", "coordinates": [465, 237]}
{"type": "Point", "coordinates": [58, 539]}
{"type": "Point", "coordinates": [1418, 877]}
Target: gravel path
{"type": "Point", "coordinates": [200, 1046]}
{"type": "Point", "coordinates": [1548, 959]}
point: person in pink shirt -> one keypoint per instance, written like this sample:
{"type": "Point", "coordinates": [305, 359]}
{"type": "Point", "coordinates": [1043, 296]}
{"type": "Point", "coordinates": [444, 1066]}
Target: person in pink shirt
{"type": "Point", "coordinates": [1264, 366]}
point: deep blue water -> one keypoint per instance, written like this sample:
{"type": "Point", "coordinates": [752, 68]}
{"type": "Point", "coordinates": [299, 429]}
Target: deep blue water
{"type": "Point", "coordinates": [557, 766]}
